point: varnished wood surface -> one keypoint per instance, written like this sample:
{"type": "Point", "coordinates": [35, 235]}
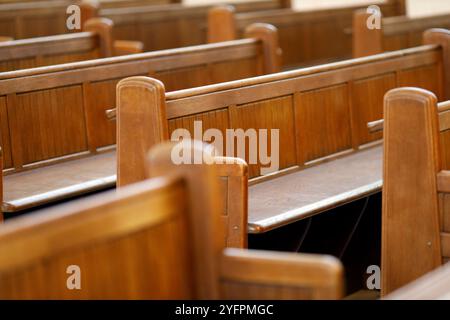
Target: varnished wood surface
{"type": "Point", "coordinates": [58, 181]}
{"type": "Point", "coordinates": [432, 286]}
{"type": "Point", "coordinates": [169, 225]}
{"type": "Point", "coordinates": [42, 107]}
{"type": "Point", "coordinates": [299, 195]}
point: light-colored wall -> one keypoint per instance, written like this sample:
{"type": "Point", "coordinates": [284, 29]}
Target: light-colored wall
{"type": "Point", "coordinates": [415, 7]}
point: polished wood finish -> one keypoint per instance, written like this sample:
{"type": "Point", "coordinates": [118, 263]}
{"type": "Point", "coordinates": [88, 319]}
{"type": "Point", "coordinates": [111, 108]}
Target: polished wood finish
{"type": "Point", "coordinates": [441, 37]}
{"type": "Point", "coordinates": [306, 38]}
{"type": "Point", "coordinates": [434, 285]}
{"type": "Point", "coordinates": [172, 223]}
{"type": "Point", "coordinates": [96, 42]}
{"type": "Point", "coordinates": [301, 105]}
{"type": "Point", "coordinates": [410, 231]}
{"type": "Point", "coordinates": [135, 20]}
{"type": "Point", "coordinates": [57, 114]}
{"type": "Point", "coordinates": [396, 32]}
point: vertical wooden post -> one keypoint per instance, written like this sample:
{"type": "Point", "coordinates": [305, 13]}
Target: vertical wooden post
{"type": "Point", "coordinates": [410, 227]}
{"type": "Point", "coordinates": [441, 37]}
{"type": "Point", "coordinates": [103, 28]}
{"type": "Point", "coordinates": [141, 123]}
{"type": "Point", "coordinates": [89, 9]}
{"type": "Point", "coordinates": [221, 24]}
{"type": "Point", "coordinates": [204, 204]}
{"type": "Point", "coordinates": [268, 34]}
{"type": "Point", "coordinates": [366, 42]}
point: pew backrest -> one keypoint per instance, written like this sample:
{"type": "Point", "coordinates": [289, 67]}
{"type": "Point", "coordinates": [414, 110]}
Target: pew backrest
{"type": "Point", "coordinates": [22, 20]}
{"type": "Point", "coordinates": [416, 229]}
{"type": "Point", "coordinates": [57, 113]}
{"type": "Point", "coordinates": [320, 111]}
{"type": "Point", "coordinates": [396, 32]}
{"type": "Point", "coordinates": [96, 42]}
{"type": "Point", "coordinates": [306, 37]}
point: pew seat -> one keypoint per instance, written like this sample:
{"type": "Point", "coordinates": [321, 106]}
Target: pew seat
{"type": "Point", "coordinates": [304, 193]}
{"type": "Point", "coordinates": [63, 180]}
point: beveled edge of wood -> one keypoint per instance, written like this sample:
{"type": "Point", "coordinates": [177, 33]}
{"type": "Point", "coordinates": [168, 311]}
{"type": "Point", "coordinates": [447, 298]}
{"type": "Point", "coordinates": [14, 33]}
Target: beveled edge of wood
{"type": "Point", "coordinates": [181, 94]}
{"type": "Point", "coordinates": [59, 194]}
{"type": "Point", "coordinates": [119, 59]}
{"type": "Point", "coordinates": [308, 211]}
{"type": "Point", "coordinates": [323, 270]}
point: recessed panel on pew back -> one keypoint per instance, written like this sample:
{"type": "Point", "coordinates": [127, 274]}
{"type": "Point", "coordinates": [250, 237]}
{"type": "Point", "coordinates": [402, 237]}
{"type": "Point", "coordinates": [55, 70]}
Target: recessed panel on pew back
{"type": "Point", "coordinates": [306, 37]}
{"type": "Point", "coordinates": [416, 229]}
{"type": "Point", "coordinates": [56, 115]}
{"type": "Point", "coordinates": [321, 113]}
{"type": "Point", "coordinates": [172, 225]}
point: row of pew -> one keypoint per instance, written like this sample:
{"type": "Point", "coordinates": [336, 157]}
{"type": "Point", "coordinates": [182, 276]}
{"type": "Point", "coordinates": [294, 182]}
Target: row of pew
{"type": "Point", "coordinates": [68, 130]}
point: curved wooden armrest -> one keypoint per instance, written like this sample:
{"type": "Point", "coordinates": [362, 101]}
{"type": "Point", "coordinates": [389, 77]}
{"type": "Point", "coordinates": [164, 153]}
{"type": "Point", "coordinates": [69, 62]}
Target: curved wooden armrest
{"type": "Point", "coordinates": [124, 47]}
{"type": "Point", "coordinates": [111, 114]}
{"type": "Point", "coordinates": [375, 126]}
{"type": "Point", "coordinates": [316, 276]}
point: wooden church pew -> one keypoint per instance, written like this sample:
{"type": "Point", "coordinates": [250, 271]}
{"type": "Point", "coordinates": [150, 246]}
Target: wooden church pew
{"type": "Point", "coordinates": [56, 139]}
{"type": "Point", "coordinates": [396, 32]}
{"type": "Point", "coordinates": [435, 285]}
{"type": "Point", "coordinates": [321, 112]}
{"type": "Point", "coordinates": [306, 38]}
{"type": "Point", "coordinates": [24, 20]}
{"type": "Point", "coordinates": [169, 26]}
{"type": "Point", "coordinates": [172, 225]}
{"type": "Point", "coordinates": [96, 42]}
{"type": "Point", "coordinates": [416, 229]}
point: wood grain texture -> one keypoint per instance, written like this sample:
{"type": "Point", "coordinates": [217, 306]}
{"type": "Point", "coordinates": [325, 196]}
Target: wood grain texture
{"type": "Point", "coordinates": [410, 201]}
{"type": "Point", "coordinates": [143, 227]}
{"type": "Point", "coordinates": [57, 113]}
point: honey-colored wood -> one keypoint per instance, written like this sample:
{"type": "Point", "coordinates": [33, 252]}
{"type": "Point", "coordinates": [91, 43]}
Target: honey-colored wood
{"type": "Point", "coordinates": [138, 20]}
{"type": "Point", "coordinates": [221, 25]}
{"type": "Point", "coordinates": [96, 42]}
{"type": "Point", "coordinates": [410, 201]}
{"type": "Point", "coordinates": [321, 113]}
{"type": "Point", "coordinates": [396, 32]}
{"type": "Point", "coordinates": [366, 41]}
{"type": "Point", "coordinates": [306, 37]}
{"type": "Point", "coordinates": [434, 285]}
{"type": "Point", "coordinates": [442, 38]}
{"type": "Point", "coordinates": [170, 225]}
{"type": "Point", "coordinates": [57, 113]}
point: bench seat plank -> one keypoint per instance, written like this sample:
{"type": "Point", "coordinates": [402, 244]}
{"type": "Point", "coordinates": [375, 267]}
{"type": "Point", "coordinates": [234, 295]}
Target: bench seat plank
{"type": "Point", "coordinates": [296, 196]}
{"type": "Point", "coordinates": [59, 181]}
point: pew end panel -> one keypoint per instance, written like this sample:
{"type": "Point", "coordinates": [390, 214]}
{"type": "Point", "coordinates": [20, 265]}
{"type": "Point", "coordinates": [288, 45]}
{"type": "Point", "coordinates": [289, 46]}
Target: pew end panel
{"type": "Point", "coordinates": [365, 41]}
{"type": "Point", "coordinates": [140, 125]}
{"type": "Point", "coordinates": [221, 24]}
{"type": "Point", "coordinates": [441, 37]}
{"type": "Point", "coordinates": [268, 34]}
{"type": "Point", "coordinates": [410, 194]}
{"type": "Point", "coordinates": [261, 275]}
{"type": "Point", "coordinates": [103, 28]}
{"type": "Point", "coordinates": [207, 230]}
